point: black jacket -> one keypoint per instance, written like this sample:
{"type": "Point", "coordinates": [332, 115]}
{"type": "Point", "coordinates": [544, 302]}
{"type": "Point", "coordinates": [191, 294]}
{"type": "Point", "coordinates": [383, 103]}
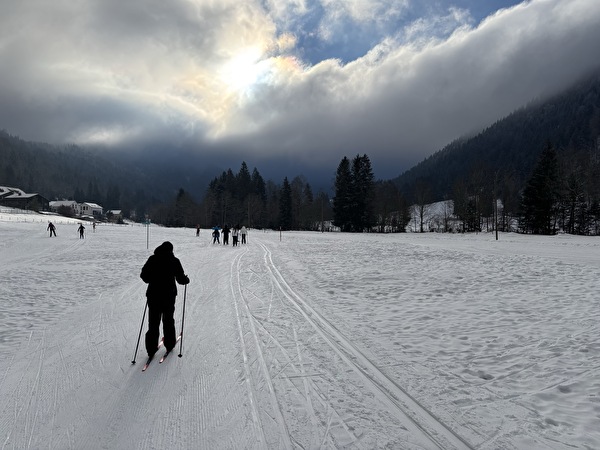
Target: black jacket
{"type": "Point", "coordinates": [160, 272]}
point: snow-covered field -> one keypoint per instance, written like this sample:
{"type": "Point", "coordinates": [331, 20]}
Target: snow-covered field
{"type": "Point", "coordinates": [410, 341]}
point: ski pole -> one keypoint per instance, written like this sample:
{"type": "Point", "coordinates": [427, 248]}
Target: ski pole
{"type": "Point", "coordinates": [140, 335]}
{"type": "Point", "coordinates": [182, 319]}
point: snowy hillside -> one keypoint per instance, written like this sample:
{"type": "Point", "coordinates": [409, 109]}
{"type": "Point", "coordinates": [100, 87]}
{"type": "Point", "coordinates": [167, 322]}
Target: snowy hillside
{"type": "Point", "coordinates": [411, 341]}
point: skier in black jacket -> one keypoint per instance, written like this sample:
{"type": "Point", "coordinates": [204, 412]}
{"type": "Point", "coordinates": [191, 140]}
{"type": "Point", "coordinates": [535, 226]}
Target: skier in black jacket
{"type": "Point", "coordinates": [160, 272]}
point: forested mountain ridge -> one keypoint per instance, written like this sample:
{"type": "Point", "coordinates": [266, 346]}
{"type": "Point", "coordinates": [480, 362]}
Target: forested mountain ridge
{"type": "Point", "coordinates": [116, 181]}
{"type": "Point", "coordinates": [570, 121]}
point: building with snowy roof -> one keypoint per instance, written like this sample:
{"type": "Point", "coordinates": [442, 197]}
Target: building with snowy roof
{"type": "Point", "coordinates": [17, 198]}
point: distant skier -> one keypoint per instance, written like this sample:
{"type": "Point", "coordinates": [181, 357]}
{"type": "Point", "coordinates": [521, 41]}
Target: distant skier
{"type": "Point", "coordinates": [52, 229]}
{"type": "Point", "coordinates": [243, 232]}
{"type": "Point", "coordinates": [160, 272]}
{"type": "Point", "coordinates": [226, 232]}
{"type": "Point", "coordinates": [234, 234]}
{"type": "Point", "coordinates": [215, 235]}
{"type": "Point", "coordinates": [81, 230]}
{"type": "Point", "coordinates": [197, 230]}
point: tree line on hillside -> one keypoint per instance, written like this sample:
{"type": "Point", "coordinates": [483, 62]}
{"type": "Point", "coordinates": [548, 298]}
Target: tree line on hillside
{"type": "Point", "coordinates": [74, 173]}
{"type": "Point", "coordinates": [562, 193]}
{"type": "Point", "coordinates": [486, 175]}
{"type": "Point", "coordinates": [244, 198]}
{"type": "Point", "coordinates": [360, 204]}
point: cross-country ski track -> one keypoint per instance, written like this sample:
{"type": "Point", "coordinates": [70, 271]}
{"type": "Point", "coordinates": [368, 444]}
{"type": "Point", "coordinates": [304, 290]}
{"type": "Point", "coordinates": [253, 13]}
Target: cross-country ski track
{"type": "Point", "coordinates": [274, 355]}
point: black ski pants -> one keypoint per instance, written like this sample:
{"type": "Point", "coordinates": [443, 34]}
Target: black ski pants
{"type": "Point", "coordinates": [156, 312]}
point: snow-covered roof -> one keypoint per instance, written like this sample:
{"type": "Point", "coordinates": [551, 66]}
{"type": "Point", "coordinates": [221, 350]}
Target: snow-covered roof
{"type": "Point", "coordinates": [21, 195]}
{"type": "Point", "coordinates": [58, 203]}
{"type": "Point", "coordinates": [92, 205]}
{"type": "Point", "coordinates": [5, 190]}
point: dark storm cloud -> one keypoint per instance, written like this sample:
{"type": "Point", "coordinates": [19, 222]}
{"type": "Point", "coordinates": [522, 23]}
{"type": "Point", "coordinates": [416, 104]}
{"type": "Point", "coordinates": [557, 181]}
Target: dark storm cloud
{"type": "Point", "coordinates": [401, 103]}
{"type": "Point", "coordinates": [233, 79]}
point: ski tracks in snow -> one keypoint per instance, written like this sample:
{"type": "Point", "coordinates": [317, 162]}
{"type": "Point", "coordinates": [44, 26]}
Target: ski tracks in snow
{"type": "Point", "coordinates": [308, 384]}
{"type": "Point", "coordinates": [262, 367]}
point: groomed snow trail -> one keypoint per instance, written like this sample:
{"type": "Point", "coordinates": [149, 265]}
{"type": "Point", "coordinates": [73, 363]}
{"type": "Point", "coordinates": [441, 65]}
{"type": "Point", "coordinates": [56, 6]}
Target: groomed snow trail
{"type": "Point", "coordinates": [261, 367]}
{"type": "Point", "coordinates": [413, 341]}
{"type": "Point", "coordinates": [422, 425]}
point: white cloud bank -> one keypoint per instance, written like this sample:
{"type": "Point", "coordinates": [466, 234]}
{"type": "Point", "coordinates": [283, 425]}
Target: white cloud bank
{"type": "Point", "coordinates": [237, 77]}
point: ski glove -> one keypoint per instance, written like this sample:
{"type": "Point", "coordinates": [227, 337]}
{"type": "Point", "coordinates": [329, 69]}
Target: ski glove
{"type": "Point", "coordinates": [186, 280]}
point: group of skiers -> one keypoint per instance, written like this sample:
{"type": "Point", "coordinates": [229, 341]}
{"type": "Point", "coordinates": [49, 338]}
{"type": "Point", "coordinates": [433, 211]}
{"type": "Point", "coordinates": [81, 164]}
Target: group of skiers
{"type": "Point", "coordinates": [161, 272]}
{"type": "Point", "coordinates": [235, 232]}
{"type": "Point", "coordinates": [80, 230]}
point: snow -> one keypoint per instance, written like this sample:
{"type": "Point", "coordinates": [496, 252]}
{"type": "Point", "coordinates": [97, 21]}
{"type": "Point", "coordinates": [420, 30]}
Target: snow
{"type": "Point", "coordinates": [301, 340]}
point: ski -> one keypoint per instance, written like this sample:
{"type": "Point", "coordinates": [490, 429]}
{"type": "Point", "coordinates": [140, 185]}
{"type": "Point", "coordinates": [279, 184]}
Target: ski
{"type": "Point", "coordinates": [167, 353]}
{"type": "Point", "coordinates": [164, 357]}
{"type": "Point", "coordinates": [147, 363]}
{"type": "Point", "coordinates": [152, 357]}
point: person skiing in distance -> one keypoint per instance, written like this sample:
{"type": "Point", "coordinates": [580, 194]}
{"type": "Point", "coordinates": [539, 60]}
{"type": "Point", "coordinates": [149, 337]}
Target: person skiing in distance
{"type": "Point", "coordinates": [81, 230]}
{"type": "Point", "coordinates": [243, 232]}
{"type": "Point", "coordinates": [226, 232]}
{"type": "Point", "coordinates": [161, 271]}
{"type": "Point", "coordinates": [52, 229]}
{"type": "Point", "coordinates": [215, 235]}
{"type": "Point", "coordinates": [234, 234]}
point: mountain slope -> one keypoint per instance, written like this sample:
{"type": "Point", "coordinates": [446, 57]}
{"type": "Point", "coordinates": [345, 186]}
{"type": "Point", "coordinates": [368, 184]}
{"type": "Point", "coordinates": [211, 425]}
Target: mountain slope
{"type": "Point", "coordinates": [60, 172]}
{"type": "Point", "coordinates": [570, 121]}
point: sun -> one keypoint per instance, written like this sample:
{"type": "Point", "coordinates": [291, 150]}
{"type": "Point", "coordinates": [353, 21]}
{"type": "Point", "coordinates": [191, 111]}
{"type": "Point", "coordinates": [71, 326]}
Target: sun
{"type": "Point", "coordinates": [243, 70]}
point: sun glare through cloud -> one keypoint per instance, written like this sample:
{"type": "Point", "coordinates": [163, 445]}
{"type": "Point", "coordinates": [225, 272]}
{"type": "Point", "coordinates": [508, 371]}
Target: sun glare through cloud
{"type": "Point", "coordinates": [243, 70]}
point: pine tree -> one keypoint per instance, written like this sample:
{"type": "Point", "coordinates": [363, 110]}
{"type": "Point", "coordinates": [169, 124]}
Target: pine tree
{"type": "Point", "coordinates": [540, 196]}
{"type": "Point", "coordinates": [285, 206]}
{"type": "Point", "coordinates": [258, 185]}
{"type": "Point", "coordinates": [183, 211]}
{"type": "Point", "coordinates": [342, 202]}
{"type": "Point", "coordinates": [244, 182]}
{"type": "Point", "coordinates": [354, 195]}
{"type": "Point", "coordinates": [575, 205]}
{"type": "Point", "coordinates": [363, 192]}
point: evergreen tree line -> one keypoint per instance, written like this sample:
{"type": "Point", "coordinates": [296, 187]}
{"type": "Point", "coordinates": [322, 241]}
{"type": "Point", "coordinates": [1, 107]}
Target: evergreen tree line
{"type": "Point", "coordinates": [245, 198]}
{"type": "Point", "coordinates": [75, 173]}
{"type": "Point", "coordinates": [360, 204]}
{"type": "Point", "coordinates": [562, 193]}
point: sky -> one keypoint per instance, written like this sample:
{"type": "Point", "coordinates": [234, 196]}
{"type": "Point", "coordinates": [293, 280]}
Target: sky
{"type": "Point", "coordinates": [295, 83]}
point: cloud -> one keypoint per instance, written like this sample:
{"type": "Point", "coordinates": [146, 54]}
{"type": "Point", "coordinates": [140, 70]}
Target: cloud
{"type": "Point", "coordinates": [401, 102]}
{"type": "Point", "coordinates": [244, 79]}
